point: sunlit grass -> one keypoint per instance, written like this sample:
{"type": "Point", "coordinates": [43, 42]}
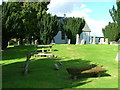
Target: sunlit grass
{"type": "Point", "coordinates": [41, 70]}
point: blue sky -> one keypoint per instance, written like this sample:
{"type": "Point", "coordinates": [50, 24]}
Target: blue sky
{"type": "Point", "coordinates": [100, 10]}
{"type": "Point", "coordinates": [96, 13]}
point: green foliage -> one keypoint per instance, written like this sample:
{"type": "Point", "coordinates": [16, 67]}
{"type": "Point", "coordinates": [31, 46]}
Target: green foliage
{"type": "Point", "coordinates": [118, 9]}
{"type": "Point", "coordinates": [41, 70]}
{"type": "Point", "coordinates": [73, 26]}
{"type": "Point", "coordinates": [22, 20]}
{"type": "Point", "coordinates": [112, 31]}
{"type": "Point", "coordinates": [49, 28]}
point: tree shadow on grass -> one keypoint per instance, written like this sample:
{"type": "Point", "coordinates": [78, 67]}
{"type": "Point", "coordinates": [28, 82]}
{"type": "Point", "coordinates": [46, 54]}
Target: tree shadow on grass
{"type": "Point", "coordinates": [42, 74]}
{"type": "Point", "coordinates": [17, 52]}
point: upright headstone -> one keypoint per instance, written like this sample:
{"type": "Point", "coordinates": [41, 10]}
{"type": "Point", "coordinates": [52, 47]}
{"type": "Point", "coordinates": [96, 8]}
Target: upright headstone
{"type": "Point", "coordinates": [118, 56]}
{"type": "Point", "coordinates": [69, 41]}
{"type": "Point", "coordinates": [18, 42]}
{"type": "Point", "coordinates": [82, 42]}
{"type": "Point", "coordinates": [77, 39]}
{"type": "Point", "coordinates": [42, 49]}
{"type": "Point", "coordinates": [52, 41]}
{"type": "Point", "coordinates": [36, 42]}
{"type": "Point", "coordinates": [90, 41]}
{"type": "Point", "coordinates": [32, 42]}
{"type": "Point", "coordinates": [8, 43]}
{"type": "Point", "coordinates": [94, 40]}
{"type": "Point", "coordinates": [101, 41]}
{"type": "Point", "coordinates": [106, 40]}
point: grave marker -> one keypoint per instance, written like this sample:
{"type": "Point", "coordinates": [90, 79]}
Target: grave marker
{"type": "Point", "coordinates": [18, 42]}
{"type": "Point", "coordinates": [94, 40]}
{"type": "Point", "coordinates": [101, 41]}
{"type": "Point", "coordinates": [118, 56]}
{"type": "Point", "coordinates": [36, 41]}
{"type": "Point", "coordinates": [69, 41]}
{"type": "Point", "coordinates": [82, 41]}
{"type": "Point", "coordinates": [8, 43]}
{"type": "Point", "coordinates": [90, 41]}
{"type": "Point", "coordinates": [106, 40]}
{"type": "Point", "coordinates": [77, 39]}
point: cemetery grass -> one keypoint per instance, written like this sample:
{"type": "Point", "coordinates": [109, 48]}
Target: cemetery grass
{"type": "Point", "coordinates": [41, 70]}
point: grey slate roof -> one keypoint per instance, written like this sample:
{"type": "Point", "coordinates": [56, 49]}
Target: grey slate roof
{"type": "Point", "coordinates": [86, 28]}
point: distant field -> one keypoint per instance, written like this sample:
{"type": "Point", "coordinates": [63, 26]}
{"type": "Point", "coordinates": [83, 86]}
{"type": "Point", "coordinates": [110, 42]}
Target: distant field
{"type": "Point", "coordinates": [42, 73]}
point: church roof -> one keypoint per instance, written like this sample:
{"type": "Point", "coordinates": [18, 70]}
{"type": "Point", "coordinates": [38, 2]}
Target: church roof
{"type": "Point", "coordinates": [86, 28]}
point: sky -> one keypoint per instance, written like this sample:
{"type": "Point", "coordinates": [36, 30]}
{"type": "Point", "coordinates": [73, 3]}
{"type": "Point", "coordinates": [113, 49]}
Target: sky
{"type": "Point", "coordinates": [95, 13]}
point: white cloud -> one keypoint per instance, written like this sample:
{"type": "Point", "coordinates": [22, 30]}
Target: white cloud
{"type": "Point", "coordinates": [76, 9]}
{"type": "Point", "coordinates": [96, 26]}
{"type": "Point", "coordinates": [82, 6]}
{"type": "Point", "coordinates": [87, 10]}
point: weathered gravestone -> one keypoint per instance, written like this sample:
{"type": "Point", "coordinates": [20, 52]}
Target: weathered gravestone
{"type": "Point", "coordinates": [59, 62]}
{"type": "Point", "coordinates": [56, 67]}
{"type": "Point", "coordinates": [42, 49]}
{"type": "Point", "coordinates": [102, 41]}
{"type": "Point", "coordinates": [82, 41]}
{"type": "Point", "coordinates": [69, 41]}
{"type": "Point", "coordinates": [36, 41]}
{"type": "Point", "coordinates": [94, 40]}
{"type": "Point", "coordinates": [90, 41]}
{"type": "Point", "coordinates": [77, 39]}
{"type": "Point", "coordinates": [8, 43]}
{"type": "Point", "coordinates": [32, 42]}
{"type": "Point", "coordinates": [18, 42]}
{"type": "Point", "coordinates": [106, 40]}
{"type": "Point", "coordinates": [118, 56]}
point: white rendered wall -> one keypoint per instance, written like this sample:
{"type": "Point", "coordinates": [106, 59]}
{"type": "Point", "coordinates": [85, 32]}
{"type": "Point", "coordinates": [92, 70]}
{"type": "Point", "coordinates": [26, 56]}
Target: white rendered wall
{"type": "Point", "coordinates": [58, 39]}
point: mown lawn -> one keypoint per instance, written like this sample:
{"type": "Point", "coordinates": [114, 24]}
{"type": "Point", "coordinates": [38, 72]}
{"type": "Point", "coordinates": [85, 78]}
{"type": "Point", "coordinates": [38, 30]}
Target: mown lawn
{"type": "Point", "coordinates": [41, 70]}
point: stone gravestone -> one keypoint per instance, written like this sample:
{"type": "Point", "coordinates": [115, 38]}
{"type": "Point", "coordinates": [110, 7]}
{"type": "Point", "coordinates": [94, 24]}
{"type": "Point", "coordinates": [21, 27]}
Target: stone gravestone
{"type": "Point", "coordinates": [69, 41]}
{"type": "Point", "coordinates": [8, 43]}
{"type": "Point", "coordinates": [77, 39]}
{"type": "Point", "coordinates": [82, 42]}
{"type": "Point", "coordinates": [32, 42]}
{"type": "Point", "coordinates": [90, 41]}
{"type": "Point", "coordinates": [18, 42]}
{"type": "Point", "coordinates": [94, 40]}
{"type": "Point", "coordinates": [101, 41]}
{"type": "Point", "coordinates": [36, 41]}
{"type": "Point", "coordinates": [118, 56]}
{"type": "Point", "coordinates": [42, 49]}
{"type": "Point", "coordinates": [106, 40]}
{"type": "Point", "coordinates": [52, 41]}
